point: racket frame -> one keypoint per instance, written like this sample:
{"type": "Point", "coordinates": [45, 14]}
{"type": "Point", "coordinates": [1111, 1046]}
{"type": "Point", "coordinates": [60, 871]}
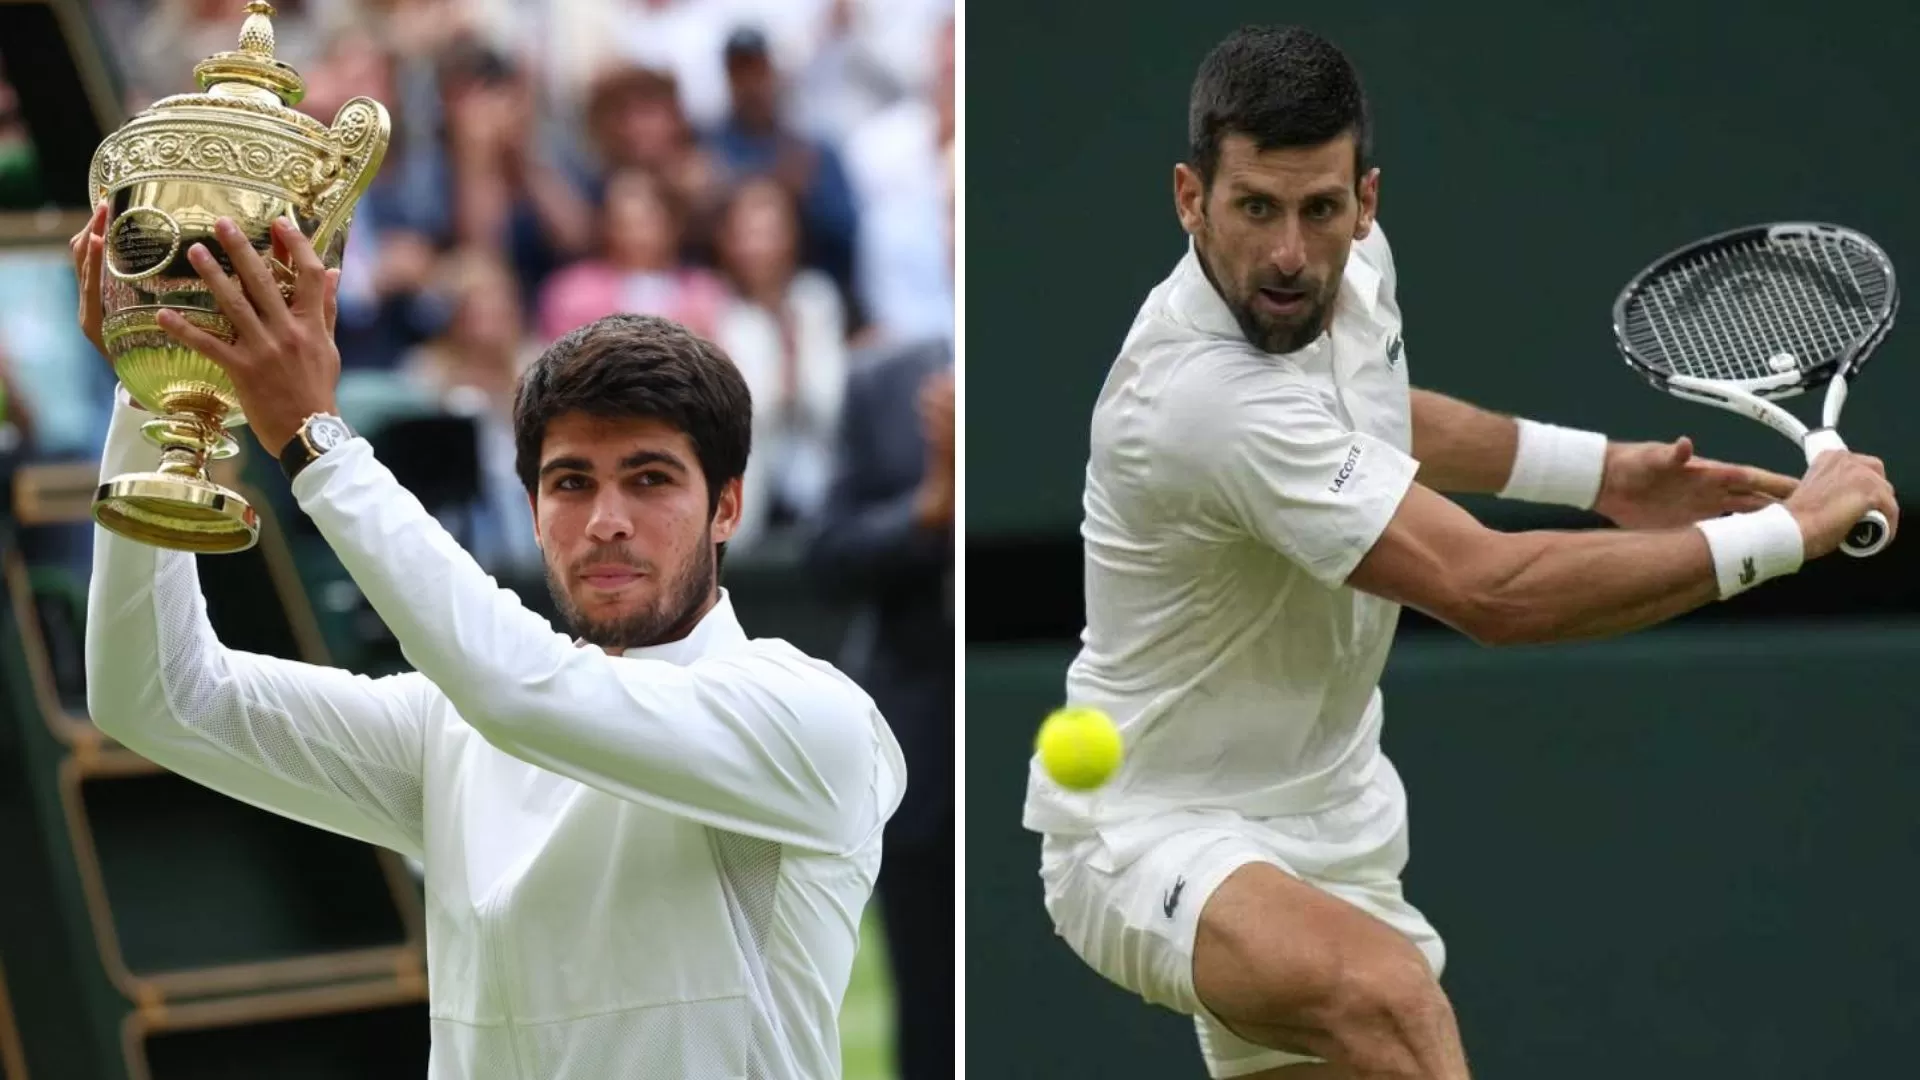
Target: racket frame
{"type": "Point", "coordinates": [1756, 398]}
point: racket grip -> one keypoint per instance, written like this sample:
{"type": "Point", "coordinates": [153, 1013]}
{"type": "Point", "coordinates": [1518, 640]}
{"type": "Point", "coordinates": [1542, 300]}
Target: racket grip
{"type": "Point", "coordinates": [1867, 536]}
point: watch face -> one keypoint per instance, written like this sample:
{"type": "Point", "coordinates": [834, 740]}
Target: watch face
{"type": "Point", "coordinates": [325, 433]}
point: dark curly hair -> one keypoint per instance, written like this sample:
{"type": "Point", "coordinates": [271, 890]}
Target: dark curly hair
{"type": "Point", "coordinates": [639, 366]}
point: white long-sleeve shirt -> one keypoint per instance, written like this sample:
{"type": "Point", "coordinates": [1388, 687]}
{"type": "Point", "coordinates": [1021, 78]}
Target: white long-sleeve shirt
{"type": "Point", "coordinates": [650, 866]}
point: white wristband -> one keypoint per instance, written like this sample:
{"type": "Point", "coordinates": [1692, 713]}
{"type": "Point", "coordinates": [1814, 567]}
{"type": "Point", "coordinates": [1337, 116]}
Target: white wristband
{"type": "Point", "coordinates": [1749, 548]}
{"type": "Point", "coordinates": [1557, 465]}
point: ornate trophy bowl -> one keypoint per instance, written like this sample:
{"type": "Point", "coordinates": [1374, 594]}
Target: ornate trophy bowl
{"type": "Point", "coordinates": [237, 149]}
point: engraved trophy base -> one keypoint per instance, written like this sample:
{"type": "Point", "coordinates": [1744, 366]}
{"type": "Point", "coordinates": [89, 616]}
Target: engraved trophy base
{"type": "Point", "coordinates": [180, 511]}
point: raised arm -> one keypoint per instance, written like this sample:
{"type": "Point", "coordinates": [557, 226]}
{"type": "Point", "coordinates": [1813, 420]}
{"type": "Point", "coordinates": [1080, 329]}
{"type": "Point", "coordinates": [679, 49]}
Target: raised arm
{"type": "Point", "coordinates": [759, 740]}
{"type": "Point", "coordinates": [315, 744]}
{"type": "Point", "coordinates": [756, 739]}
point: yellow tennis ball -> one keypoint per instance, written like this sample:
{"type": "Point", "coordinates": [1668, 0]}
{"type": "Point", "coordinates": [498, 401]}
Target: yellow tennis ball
{"type": "Point", "coordinates": [1079, 747]}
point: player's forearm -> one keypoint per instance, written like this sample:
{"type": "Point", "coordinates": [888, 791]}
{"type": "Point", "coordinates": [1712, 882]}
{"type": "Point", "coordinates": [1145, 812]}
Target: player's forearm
{"type": "Point", "coordinates": [123, 647]}
{"type": "Point", "coordinates": [1538, 587]}
{"type": "Point", "coordinates": [1461, 448]}
{"type": "Point", "coordinates": [778, 751]}
{"type": "Point", "coordinates": [315, 744]}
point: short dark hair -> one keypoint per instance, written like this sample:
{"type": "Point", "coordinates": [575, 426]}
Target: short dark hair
{"type": "Point", "coordinates": [1280, 86]}
{"type": "Point", "coordinates": [639, 366]}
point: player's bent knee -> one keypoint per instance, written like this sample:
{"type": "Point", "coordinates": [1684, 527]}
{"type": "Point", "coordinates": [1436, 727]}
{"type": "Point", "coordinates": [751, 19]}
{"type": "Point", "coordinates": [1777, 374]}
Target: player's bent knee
{"type": "Point", "coordinates": [1386, 1016]}
{"type": "Point", "coordinates": [1287, 966]}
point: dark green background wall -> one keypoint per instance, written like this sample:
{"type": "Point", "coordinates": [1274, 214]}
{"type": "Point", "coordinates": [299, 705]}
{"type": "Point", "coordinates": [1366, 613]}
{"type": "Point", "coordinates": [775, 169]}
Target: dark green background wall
{"type": "Point", "coordinates": [1682, 856]}
{"type": "Point", "coordinates": [1533, 156]}
{"type": "Point", "coordinates": [1686, 854]}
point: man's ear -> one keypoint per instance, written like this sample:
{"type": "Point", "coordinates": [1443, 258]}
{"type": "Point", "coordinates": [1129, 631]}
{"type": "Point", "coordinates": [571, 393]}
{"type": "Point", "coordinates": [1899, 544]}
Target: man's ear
{"type": "Point", "coordinates": [726, 513]}
{"type": "Point", "coordinates": [1189, 199]}
{"type": "Point", "coordinates": [1369, 192]}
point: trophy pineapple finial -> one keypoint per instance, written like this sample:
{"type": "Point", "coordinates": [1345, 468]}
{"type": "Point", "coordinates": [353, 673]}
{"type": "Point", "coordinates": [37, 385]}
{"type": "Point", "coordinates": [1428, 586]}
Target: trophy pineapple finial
{"type": "Point", "coordinates": [256, 34]}
{"type": "Point", "coordinates": [253, 63]}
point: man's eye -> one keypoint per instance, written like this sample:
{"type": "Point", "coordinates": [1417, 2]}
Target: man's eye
{"type": "Point", "coordinates": [1258, 208]}
{"type": "Point", "coordinates": [652, 479]}
{"type": "Point", "coordinates": [1321, 211]}
{"type": "Point", "coordinates": [570, 483]}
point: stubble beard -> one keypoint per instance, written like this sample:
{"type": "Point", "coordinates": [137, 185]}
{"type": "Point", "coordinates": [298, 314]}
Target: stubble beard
{"type": "Point", "coordinates": [667, 618]}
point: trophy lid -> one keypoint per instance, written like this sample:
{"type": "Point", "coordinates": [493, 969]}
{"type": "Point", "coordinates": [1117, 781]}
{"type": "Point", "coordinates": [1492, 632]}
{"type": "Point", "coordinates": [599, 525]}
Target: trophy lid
{"type": "Point", "coordinates": [253, 64]}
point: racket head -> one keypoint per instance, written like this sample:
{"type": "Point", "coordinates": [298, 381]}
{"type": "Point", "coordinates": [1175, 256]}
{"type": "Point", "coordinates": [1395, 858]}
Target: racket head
{"type": "Point", "coordinates": [1776, 308]}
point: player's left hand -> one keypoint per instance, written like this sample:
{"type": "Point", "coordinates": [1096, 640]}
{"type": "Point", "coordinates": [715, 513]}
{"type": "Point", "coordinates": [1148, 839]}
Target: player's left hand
{"type": "Point", "coordinates": [1663, 485]}
{"type": "Point", "coordinates": [283, 361]}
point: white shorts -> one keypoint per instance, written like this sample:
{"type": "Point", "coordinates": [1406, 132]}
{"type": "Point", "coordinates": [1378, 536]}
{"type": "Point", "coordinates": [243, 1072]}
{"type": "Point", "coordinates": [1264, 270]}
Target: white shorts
{"type": "Point", "coordinates": [1135, 925]}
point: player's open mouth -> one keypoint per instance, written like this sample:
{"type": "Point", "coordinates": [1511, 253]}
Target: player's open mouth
{"type": "Point", "coordinates": [1283, 301]}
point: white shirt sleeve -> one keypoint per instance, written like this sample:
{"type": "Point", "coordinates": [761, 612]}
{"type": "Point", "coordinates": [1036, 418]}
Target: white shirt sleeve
{"type": "Point", "coordinates": [759, 740]}
{"type": "Point", "coordinates": [315, 744]}
{"type": "Point", "coordinates": [1272, 458]}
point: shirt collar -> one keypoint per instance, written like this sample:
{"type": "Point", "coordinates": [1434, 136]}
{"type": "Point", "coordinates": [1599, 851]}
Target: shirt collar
{"type": "Point", "coordinates": [1195, 297]}
{"type": "Point", "coordinates": [716, 630]}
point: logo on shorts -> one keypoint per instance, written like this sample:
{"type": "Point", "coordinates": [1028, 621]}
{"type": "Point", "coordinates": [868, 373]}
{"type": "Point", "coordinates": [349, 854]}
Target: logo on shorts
{"type": "Point", "coordinates": [1346, 470]}
{"type": "Point", "coordinates": [1393, 352]}
{"type": "Point", "coordinates": [1747, 572]}
{"type": "Point", "coordinates": [1173, 896]}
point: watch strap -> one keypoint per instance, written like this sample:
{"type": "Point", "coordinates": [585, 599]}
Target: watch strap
{"type": "Point", "coordinates": [301, 452]}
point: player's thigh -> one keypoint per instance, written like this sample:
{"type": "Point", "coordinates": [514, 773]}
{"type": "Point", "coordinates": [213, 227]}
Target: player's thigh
{"type": "Point", "coordinates": [1275, 959]}
{"type": "Point", "coordinates": [1135, 925]}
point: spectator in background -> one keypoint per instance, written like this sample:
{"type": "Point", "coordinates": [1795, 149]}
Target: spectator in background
{"type": "Point", "coordinates": [472, 370]}
{"type": "Point", "coordinates": [59, 392]}
{"type": "Point", "coordinates": [786, 330]}
{"type": "Point", "coordinates": [510, 194]}
{"type": "Point", "coordinates": [388, 302]}
{"type": "Point", "coordinates": [157, 52]}
{"type": "Point", "coordinates": [56, 378]}
{"type": "Point", "coordinates": [639, 269]}
{"type": "Point", "coordinates": [16, 418]}
{"type": "Point", "coordinates": [20, 186]}
{"type": "Point", "coordinates": [897, 159]}
{"type": "Point", "coordinates": [755, 140]}
{"type": "Point", "coordinates": [680, 39]}
{"type": "Point", "coordinates": [885, 541]}
{"type": "Point", "coordinates": [634, 122]}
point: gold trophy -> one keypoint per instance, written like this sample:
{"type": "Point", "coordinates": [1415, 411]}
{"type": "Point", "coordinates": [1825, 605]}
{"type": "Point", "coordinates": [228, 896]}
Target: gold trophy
{"type": "Point", "coordinates": [237, 149]}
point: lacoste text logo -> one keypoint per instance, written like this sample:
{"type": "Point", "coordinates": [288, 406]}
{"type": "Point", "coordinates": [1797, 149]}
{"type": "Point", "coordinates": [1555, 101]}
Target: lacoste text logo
{"type": "Point", "coordinates": [1393, 352]}
{"type": "Point", "coordinates": [1346, 470]}
{"type": "Point", "coordinates": [1173, 896]}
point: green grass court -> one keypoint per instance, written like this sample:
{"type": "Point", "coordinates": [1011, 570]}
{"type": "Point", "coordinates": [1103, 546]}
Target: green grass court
{"type": "Point", "coordinates": [866, 1020]}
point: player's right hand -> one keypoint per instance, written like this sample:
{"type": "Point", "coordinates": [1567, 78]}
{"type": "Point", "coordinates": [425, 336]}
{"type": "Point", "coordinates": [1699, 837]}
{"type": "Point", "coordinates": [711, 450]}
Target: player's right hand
{"type": "Point", "coordinates": [89, 250]}
{"type": "Point", "coordinates": [1838, 490]}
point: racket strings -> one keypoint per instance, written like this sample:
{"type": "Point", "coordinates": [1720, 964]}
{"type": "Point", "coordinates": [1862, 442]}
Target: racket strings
{"type": "Point", "coordinates": [1758, 309]}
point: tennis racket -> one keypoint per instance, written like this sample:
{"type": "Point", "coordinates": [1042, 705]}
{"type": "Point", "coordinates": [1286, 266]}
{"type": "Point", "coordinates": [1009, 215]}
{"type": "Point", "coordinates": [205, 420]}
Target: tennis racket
{"type": "Point", "coordinates": [1747, 318]}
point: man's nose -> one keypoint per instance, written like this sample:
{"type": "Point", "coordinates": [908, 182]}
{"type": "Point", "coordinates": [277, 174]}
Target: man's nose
{"type": "Point", "coordinates": [1289, 252]}
{"type": "Point", "coordinates": [610, 520]}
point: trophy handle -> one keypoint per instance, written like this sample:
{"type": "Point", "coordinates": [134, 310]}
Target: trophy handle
{"type": "Point", "coordinates": [360, 130]}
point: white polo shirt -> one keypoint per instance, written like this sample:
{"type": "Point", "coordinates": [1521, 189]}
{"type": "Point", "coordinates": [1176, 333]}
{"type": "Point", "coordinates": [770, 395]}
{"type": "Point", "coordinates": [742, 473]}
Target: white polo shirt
{"type": "Point", "coordinates": [1229, 493]}
{"type": "Point", "coordinates": [649, 866]}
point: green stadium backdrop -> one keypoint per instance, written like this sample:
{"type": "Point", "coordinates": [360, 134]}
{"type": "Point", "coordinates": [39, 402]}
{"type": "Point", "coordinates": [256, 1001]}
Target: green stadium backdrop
{"type": "Point", "coordinates": [1685, 854]}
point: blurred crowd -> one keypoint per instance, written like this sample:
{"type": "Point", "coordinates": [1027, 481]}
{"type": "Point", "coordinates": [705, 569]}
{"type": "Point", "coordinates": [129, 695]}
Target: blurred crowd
{"type": "Point", "coordinates": [776, 174]}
